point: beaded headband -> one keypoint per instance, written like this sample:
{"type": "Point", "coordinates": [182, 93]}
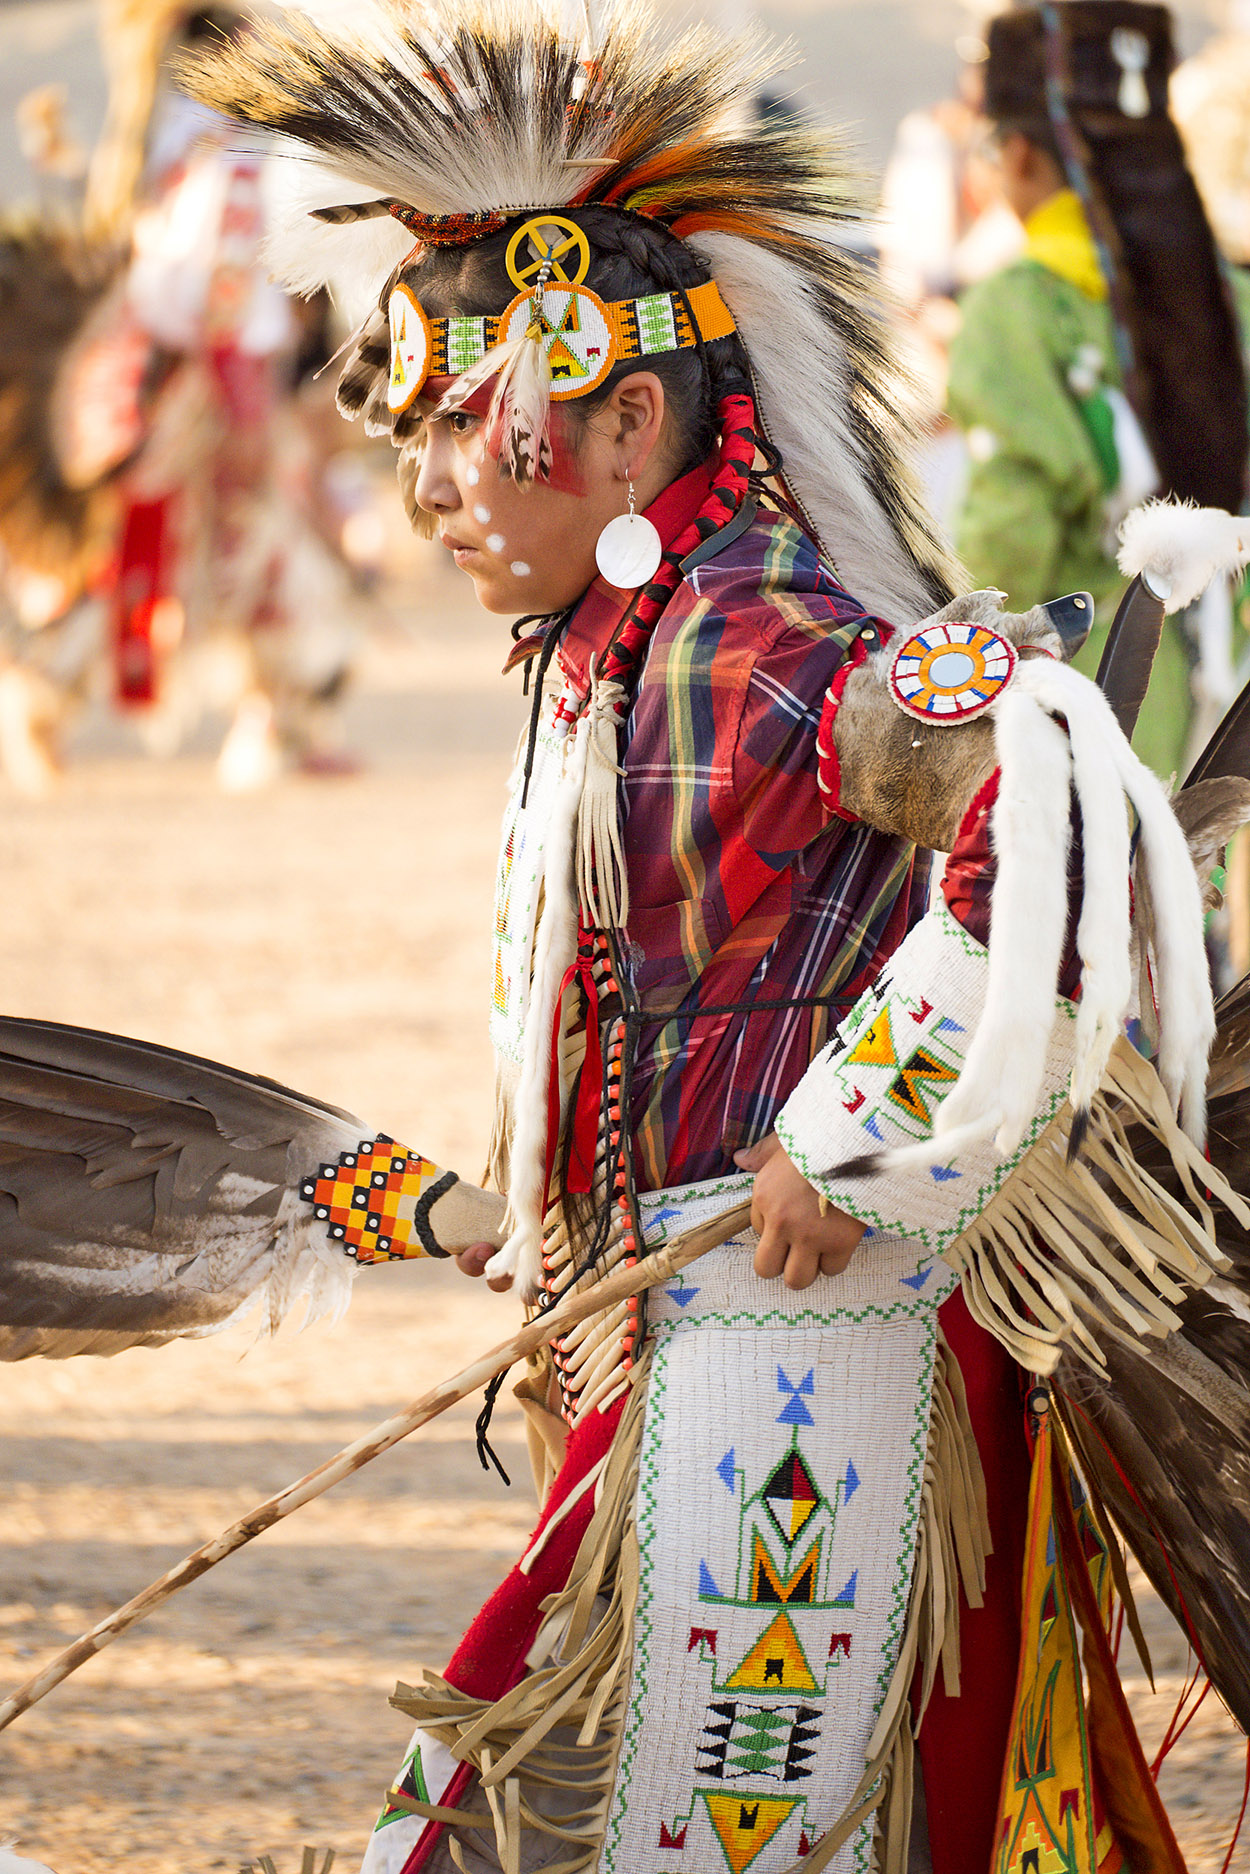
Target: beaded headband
{"type": "Point", "coordinates": [582, 335]}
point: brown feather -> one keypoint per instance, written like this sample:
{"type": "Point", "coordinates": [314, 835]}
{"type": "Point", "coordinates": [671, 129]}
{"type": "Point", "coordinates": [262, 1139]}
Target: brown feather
{"type": "Point", "coordinates": [146, 1194]}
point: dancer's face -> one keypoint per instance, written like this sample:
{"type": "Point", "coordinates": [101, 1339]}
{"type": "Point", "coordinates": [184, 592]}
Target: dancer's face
{"type": "Point", "coordinates": [532, 550]}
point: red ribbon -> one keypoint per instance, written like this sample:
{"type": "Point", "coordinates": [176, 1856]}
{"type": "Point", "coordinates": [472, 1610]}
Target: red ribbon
{"type": "Point", "coordinates": [586, 1112]}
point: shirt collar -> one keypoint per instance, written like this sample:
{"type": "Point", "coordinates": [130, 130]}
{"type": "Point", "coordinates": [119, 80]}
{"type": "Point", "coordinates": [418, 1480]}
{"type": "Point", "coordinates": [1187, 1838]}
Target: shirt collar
{"type": "Point", "coordinates": [599, 611]}
{"type": "Point", "coordinates": [1058, 237]}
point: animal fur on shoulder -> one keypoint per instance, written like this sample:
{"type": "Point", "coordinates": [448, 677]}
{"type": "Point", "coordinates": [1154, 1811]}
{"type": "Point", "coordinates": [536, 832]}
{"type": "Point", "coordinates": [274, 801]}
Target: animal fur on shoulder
{"type": "Point", "coordinates": [1052, 735]}
{"type": "Point", "coordinates": [902, 775]}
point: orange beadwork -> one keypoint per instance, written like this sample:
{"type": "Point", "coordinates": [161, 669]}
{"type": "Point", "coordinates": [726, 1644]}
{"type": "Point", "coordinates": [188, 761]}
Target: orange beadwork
{"type": "Point", "coordinates": [448, 230]}
{"type": "Point", "coordinates": [369, 1200]}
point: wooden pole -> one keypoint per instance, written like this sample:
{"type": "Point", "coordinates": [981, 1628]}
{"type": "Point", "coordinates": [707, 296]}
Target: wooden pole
{"type": "Point", "coordinates": [657, 1267]}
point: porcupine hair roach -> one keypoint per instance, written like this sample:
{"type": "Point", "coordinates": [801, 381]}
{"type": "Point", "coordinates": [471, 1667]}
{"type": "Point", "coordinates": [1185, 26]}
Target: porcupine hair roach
{"type": "Point", "coordinates": [497, 107]}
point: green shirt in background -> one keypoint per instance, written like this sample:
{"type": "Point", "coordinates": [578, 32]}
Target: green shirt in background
{"type": "Point", "coordinates": [1033, 520]}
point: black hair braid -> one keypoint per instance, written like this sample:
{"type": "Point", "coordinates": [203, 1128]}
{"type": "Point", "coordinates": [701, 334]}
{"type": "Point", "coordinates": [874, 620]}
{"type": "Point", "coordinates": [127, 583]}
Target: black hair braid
{"type": "Point", "coordinates": [641, 257]}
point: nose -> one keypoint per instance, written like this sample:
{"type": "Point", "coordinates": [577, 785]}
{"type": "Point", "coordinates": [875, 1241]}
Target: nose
{"type": "Point", "coordinates": [435, 488]}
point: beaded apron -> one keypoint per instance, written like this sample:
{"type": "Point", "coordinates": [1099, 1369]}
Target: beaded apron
{"type": "Point", "coordinates": [778, 1495]}
{"type": "Point", "coordinates": [776, 1510]}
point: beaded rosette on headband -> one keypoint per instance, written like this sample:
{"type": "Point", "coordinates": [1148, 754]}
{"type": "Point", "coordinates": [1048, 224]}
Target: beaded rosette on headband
{"type": "Point", "coordinates": [557, 338]}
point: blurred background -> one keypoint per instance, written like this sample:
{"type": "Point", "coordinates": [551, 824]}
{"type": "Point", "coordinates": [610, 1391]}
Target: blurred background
{"type": "Point", "coordinates": [253, 739]}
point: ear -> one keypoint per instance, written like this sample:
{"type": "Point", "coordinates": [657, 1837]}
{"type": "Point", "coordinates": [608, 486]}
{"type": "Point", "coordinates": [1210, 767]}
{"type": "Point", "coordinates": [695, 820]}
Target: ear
{"type": "Point", "coordinates": [635, 419]}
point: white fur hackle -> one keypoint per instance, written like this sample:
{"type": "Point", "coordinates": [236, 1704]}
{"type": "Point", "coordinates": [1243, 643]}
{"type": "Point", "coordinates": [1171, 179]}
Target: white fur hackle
{"type": "Point", "coordinates": [997, 1090]}
{"type": "Point", "coordinates": [1041, 768]}
{"type": "Point", "coordinates": [803, 372]}
{"type": "Point", "coordinates": [1181, 548]}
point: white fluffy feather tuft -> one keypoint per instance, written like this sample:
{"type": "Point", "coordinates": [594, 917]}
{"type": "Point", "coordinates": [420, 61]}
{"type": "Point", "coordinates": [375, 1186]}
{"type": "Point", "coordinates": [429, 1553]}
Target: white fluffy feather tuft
{"type": "Point", "coordinates": [353, 260]}
{"type": "Point", "coordinates": [1181, 548]}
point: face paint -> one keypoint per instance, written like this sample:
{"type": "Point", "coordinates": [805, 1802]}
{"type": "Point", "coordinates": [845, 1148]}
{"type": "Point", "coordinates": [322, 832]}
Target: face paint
{"type": "Point", "coordinates": [473, 475]}
{"type": "Point", "coordinates": [481, 513]}
{"type": "Point", "coordinates": [519, 569]}
{"type": "Point", "coordinates": [496, 543]}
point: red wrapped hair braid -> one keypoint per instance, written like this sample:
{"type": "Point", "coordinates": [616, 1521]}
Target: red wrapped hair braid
{"type": "Point", "coordinates": [736, 413]}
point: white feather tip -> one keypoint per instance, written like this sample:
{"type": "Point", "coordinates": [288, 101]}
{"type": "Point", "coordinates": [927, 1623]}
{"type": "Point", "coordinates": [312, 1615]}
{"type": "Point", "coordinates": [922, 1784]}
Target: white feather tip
{"type": "Point", "coordinates": [1179, 549]}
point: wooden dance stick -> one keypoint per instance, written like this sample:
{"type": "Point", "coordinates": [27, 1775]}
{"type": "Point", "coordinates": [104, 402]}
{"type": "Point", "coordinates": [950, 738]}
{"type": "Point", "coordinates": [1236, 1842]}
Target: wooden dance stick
{"type": "Point", "coordinates": [657, 1267]}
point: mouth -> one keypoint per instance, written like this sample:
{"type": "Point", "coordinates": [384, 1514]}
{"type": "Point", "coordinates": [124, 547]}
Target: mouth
{"type": "Point", "coordinates": [464, 555]}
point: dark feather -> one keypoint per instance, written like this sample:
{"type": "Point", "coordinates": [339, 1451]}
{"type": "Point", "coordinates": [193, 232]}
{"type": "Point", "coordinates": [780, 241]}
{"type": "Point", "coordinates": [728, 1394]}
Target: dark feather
{"type": "Point", "coordinates": [146, 1194]}
{"type": "Point", "coordinates": [1173, 1416]}
{"type": "Point", "coordinates": [1210, 812]}
{"type": "Point", "coordinates": [1129, 653]}
{"type": "Point", "coordinates": [1170, 1418]}
{"type": "Point", "coordinates": [1228, 751]}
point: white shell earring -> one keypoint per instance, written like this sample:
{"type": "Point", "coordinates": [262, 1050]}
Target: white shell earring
{"type": "Point", "coordinates": [629, 550]}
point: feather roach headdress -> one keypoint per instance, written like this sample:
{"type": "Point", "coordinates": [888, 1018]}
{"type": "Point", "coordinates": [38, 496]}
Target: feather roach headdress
{"type": "Point", "coordinates": [444, 128]}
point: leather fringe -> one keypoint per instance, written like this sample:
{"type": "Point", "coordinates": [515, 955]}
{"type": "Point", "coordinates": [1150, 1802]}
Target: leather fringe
{"type": "Point", "coordinates": [1120, 1251]}
{"type": "Point", "coordinates": [546, 1751]}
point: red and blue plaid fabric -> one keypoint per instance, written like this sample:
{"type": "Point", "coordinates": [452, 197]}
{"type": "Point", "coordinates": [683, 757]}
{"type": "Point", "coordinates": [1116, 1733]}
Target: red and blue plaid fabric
{"type": "Point", "coordinates": [745, 896]}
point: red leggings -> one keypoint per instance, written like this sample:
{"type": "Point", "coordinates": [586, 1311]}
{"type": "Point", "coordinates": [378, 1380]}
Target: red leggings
{"type": "Point", "coordinates": [963, 1741]}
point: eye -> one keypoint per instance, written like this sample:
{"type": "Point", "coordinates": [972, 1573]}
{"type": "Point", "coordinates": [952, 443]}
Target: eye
{"type": "Point", "coordinates": [462, 422]}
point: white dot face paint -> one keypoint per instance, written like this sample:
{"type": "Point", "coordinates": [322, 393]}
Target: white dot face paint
{"type": "Point", "coordinates": [473, 475]}
{"type": "Point", "coordinates": [481, 513]}
{"type": "Point", "coordinates": [519, 569]}
{"type": "Point", "coordinates": [496, 542]}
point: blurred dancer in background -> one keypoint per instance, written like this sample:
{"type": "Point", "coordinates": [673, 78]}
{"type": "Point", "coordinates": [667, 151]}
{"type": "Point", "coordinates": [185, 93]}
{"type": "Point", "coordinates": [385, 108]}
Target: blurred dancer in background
{"type": "Point", "coordinates": [212, 539]}
{"type": "Point", "coordinates": [164, 531]}
{"type": "Point", "coordinates": [1073, 374]}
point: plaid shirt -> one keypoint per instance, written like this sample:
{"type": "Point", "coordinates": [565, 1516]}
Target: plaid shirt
{"type": "Point", "coordinates": [746, 898]}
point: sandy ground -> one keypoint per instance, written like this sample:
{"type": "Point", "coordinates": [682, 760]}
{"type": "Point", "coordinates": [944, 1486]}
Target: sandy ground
{"type": "Point", "coordinates": [332, 935]}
